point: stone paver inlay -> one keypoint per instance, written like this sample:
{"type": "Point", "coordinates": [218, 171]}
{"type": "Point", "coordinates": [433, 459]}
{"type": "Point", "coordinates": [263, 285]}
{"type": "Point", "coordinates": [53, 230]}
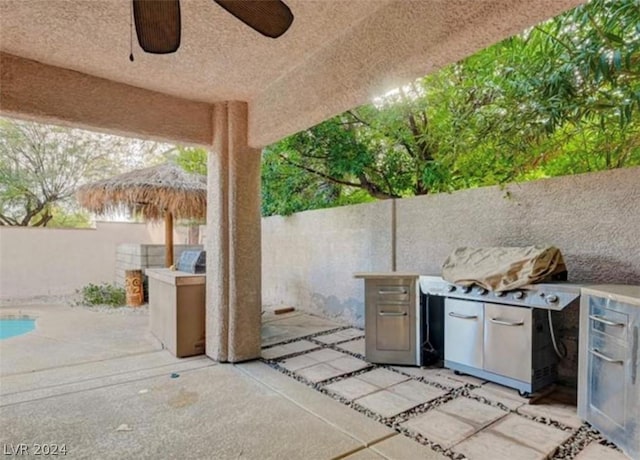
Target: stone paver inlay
{"type": "Point", "coordinates": [386, 403]}
{"type": "Point", "coordinates": [288, 349]}
{"type": "Point", "coordinates": [599, 452]}
{"type": "Point", "coordinates": [353, 346]}
{"type": "Point", "coordinates": [340, 336]}
{"type": "Point", "coordinates": [472, 411]}
{"type": "Point", "coordinates": [489, 446]}
{"type": "Point", "coordinates": [440, 428]}
{"type": "Point", "coordinates": [451, 415]}
{"type": "Point", "coordinates": [319, 372]}
{"type": "Point", "coordinates": [352, 388]}
{"type": "Point", "coordinates": [416, 391]}
{"type": "Point", "coordinates": [543, 438]}
{"type": "Point", "coordinates": [382, 377]}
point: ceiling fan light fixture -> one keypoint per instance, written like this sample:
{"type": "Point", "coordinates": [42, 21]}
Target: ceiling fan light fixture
{"type": "Point", "coordinates": [157, 25]}
{"type": "Point", "coordinates": [271, 18]}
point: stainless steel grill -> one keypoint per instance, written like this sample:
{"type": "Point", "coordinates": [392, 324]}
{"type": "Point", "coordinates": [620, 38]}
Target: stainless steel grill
{"type": "Point", "coordinates": [505, 337]}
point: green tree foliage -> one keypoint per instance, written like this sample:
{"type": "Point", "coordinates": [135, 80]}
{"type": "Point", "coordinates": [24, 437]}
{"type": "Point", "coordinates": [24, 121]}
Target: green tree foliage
{"type": "Point", "coordinates": [561, 98]}
{"type": "Point", "coordinates": [69, 217]}
{"type": "Point", "coordinates": [191, 159]}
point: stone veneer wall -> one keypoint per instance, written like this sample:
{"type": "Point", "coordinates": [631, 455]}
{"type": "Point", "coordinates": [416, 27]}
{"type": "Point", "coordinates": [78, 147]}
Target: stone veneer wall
{"type": "Point", "coordinates": [309, 258]}
{"type": "Point", "coordinates": [133, 256]}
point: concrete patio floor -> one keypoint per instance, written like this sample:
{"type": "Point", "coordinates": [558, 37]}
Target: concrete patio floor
{"type": "Point", "coordinates": [101, 385]}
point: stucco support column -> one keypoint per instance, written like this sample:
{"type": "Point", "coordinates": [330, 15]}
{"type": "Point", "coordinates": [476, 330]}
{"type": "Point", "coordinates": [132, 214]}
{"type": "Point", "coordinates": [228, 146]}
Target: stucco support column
{"type": "Point", "coordinates": [234, 295]}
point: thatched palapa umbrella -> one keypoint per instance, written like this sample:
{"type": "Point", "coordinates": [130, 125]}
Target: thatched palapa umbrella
{"type": "Point", "coordinates": [165, 191]}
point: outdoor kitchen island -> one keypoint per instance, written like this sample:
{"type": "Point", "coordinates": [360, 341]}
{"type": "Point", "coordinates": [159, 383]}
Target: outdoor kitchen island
{"type": "Point", "coordinates": [177, 310]}
{"type": "Point", "coordinates": [392, 318]}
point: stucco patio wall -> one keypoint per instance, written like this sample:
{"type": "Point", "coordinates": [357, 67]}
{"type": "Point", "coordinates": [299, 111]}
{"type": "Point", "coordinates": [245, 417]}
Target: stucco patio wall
{"type": "Point", "coordinates": [48, 261]}
{"type": "Point", "coordinates": [309, 258]}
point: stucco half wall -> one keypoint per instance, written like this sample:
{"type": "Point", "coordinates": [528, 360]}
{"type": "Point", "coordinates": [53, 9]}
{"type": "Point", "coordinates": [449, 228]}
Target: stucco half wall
{"type": "Point", "coordinates": [36, 261]}
{"type": "Point", "coordinates": [309, 258]}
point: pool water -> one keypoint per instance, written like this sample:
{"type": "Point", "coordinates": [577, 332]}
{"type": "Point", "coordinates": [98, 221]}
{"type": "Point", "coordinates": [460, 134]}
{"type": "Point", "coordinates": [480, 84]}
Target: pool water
{"type": "Point", "coordinates": [12, 327]}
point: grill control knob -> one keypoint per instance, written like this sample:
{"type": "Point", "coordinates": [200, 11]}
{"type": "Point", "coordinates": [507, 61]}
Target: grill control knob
{"type": "Point", "coordinates": [500, 294]}
{"type": "Point", "coordinates": [482, 291]}
{"type": "Point", "coordinates": [552, 298]}
{"type": "Point", "coordinates": [518, 295]}
{"type": "Point", "coordinates": [451, 288]}
{"type": "Point", "coordinates": [465, 289]}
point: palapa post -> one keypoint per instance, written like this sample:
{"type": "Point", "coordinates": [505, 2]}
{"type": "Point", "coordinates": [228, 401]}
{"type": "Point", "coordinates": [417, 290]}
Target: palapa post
{"type": "Point", "coordinates": [168, 239]}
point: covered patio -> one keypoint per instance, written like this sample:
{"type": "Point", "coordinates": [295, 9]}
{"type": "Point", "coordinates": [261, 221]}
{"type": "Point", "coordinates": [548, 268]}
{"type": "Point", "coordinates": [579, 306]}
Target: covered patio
{"type": "Point", "coordinates": [233, 91]}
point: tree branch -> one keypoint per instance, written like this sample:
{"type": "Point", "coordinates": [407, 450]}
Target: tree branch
{"type": "Point", "coordinates": [319, 173]}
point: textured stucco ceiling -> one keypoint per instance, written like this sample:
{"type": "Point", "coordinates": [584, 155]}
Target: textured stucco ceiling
{"type": "Point", "coordinates": [219, 58]}
{"type": "Point", "coordinates": [336, 55]}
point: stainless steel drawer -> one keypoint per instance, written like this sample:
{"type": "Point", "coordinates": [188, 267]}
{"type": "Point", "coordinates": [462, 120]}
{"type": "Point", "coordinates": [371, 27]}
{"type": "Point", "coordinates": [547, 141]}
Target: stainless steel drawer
{"type": "Point", "coordinates": [604, 320]}
{"type": "Point", "coordinates": [463, 332]}
{"type": "Point", "coordinates": [389, 292]}
{"type": "Point", "coordinates": [393, 327]}
{"type": "Point", "coordinates": [607, 371]}
{"type": "Point", "coordinates": [508, 341]}
{"type": "Point", "coordinates": [391, 321]}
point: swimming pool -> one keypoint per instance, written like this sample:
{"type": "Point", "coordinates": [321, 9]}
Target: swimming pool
{"type": "Point", "coordinates": [11, 327]}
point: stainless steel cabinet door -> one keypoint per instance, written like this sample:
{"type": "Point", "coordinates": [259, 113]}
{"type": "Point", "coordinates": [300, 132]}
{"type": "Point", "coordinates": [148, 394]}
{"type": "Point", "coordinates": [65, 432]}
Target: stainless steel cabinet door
{"type": "Point", "coordinates": [607, 380]}
{"type": "Point", "coordinates": [507, 341]}
{"type": "Point", "coordinates": [463, 336]}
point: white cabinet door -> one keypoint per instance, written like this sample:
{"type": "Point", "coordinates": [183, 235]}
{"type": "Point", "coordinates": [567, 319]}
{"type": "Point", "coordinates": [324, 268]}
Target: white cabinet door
{"type": "Point", "coordinates": [507, 341]}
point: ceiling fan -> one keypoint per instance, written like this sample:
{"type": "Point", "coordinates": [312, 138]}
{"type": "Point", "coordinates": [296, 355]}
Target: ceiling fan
{"type": "Point", "coordinates": [158, 21]}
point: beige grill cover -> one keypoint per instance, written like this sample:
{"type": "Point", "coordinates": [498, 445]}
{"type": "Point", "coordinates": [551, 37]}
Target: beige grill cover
{"type": "Point", "coordinates": [502, 268]}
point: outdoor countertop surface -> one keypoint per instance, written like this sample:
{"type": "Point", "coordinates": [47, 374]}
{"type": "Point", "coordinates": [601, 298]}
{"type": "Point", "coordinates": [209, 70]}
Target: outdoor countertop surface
{"type": "Point", "coordinates": [617, 292]}
{"type": "Point", "coordinates": [175, 277]}
{"type": "Point", "coordinates": [385, 275]}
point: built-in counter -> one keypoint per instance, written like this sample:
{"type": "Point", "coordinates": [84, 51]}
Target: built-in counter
{"type": "Point", "coordinates": [177, 310]}
{"type": "Point", "coordinates": [392, 318]}
{"type": "Point", "coordinates": [385, 275]}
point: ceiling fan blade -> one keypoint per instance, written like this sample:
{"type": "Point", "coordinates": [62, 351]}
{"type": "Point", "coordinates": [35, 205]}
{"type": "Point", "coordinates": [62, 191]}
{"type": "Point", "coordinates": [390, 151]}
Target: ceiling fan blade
{"type": "Point", "coordinates": [271, 18]}
{"type": "Point", "coordinates": [157, 25]}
